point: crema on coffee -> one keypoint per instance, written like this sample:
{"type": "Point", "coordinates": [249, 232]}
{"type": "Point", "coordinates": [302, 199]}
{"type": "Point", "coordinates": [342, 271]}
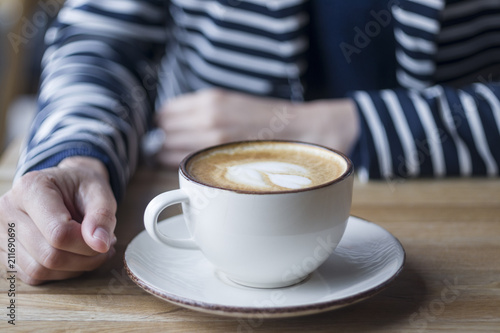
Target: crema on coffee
{"type": "Point", "coordinates": [266, 166]}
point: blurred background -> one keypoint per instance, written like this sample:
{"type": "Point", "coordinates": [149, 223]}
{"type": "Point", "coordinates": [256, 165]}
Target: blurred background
{"type": "Point", "coordinates": [22, 28]}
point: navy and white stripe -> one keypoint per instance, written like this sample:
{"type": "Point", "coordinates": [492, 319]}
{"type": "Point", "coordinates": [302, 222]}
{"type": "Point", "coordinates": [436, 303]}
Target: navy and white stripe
{"type": "Point", "coordinates": [417, 24]}
{"type": "Point", "coordinates": [246, 47]}
{"type": "Point", "coordinates": [468, 43]}
{"type": "Point", "coordinates": [452, 131]}
{"type": "Point", "coordinates": [110, 64]}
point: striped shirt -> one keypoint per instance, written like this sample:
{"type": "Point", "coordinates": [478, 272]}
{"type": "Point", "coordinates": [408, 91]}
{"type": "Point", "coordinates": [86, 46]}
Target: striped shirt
{"type": "Point", "coordinates": [110, 64]}
{"type": "Point", "coordinates": [468, 44]}
{"type": "Point", "coordinates": [445, 120]}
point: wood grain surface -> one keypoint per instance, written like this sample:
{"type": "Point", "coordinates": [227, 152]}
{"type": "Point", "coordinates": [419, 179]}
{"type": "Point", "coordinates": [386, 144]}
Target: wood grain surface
{"type": "Point", "coordinates": [449, 228]}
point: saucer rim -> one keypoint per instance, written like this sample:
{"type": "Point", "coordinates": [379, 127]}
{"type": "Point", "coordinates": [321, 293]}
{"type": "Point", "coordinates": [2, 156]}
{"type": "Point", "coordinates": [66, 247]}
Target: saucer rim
{"type": "Point", "coordinates": [274, 312]}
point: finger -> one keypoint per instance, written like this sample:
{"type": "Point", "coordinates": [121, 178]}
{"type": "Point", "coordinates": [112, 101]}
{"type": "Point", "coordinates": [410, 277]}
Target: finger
{"type": "Point", "coordinates": [54, 259]}
{"type": "Point", "coordinates": [98, 205]}
{"type": "Point", "coordinates": [178, 108]}
{"type": "Point", "coordinates": [184, 103]}
{"type": "Point", "coordinates": [192, 110]}
{"type": "Point", "coordinates": [28, 280]}
{"type": "Point", "coordinates": [57, 263]}
{"type": "Point", "coordinates": [33, 273]}
{"type": "Point", "coordinates": [45, 205]}
{"type": "Point", "coordinates": [22, 275]}
{"type": "Point", "coordinates": [179, 122]}
{"type": "Point", "coordinates": [16, 268]}
{"type": "Point", "coordinates": [196, 117]}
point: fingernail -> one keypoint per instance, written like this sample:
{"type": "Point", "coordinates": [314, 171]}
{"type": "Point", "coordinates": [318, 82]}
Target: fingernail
{"type": "Point", "coordinates": [114, 240]}
{"type": "Point", "coordinates": [102, 235]}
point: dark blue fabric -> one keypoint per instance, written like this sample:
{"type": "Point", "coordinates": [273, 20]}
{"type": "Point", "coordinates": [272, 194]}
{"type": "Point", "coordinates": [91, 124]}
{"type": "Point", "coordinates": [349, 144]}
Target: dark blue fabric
{"type": "Point", "coordinates": [352, 47]}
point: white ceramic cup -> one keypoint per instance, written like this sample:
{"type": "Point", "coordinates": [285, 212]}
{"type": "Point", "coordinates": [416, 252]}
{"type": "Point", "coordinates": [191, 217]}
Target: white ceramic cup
{"type": "Point", "coordinates": [259, 239]}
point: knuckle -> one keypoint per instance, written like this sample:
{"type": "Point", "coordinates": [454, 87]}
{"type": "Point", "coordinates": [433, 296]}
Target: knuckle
{"type": "Point", "coordinates": [35, 271]}
{"type": "Point", "coordinates": [30, 281]}
{"type": "Point", "coordinates": [59, 235]}
{"type": "Point", "coordinates": [5, 203]}
{"type": "Point", "coordinates": [31, 178]}
{"type": "Point", "coordinates": [30, 182]}
{"type": "Point", "coordinates": [9, 211]}
{"type": "Point", "coordinates": [52, 259]}
{"type": "Point", "coordinates": [106, 215]}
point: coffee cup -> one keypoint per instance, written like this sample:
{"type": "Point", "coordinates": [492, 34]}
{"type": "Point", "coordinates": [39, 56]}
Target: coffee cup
{"type": "Point", "coordinates": [265, 213]}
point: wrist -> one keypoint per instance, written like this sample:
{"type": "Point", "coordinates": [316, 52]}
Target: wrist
{"type": "Point", "coordinates": [348, 123]}
{"type": "Point", "coordinates": [332, 123]}
{"type": "Point", "coordinates": [86, 163]}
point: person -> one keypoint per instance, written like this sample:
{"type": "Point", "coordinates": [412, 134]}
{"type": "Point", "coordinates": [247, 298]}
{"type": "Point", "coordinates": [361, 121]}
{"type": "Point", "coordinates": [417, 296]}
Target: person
{"type": "Point", "coordinates": [407, 88]}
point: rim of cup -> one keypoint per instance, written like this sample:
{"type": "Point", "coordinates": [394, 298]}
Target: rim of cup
{"type": "Point", "coordinates": [348, 171]}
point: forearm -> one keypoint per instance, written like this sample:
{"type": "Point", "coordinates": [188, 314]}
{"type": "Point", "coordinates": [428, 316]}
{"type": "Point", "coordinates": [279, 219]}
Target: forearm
{"type": "Point", "coordinates": [98, 87]}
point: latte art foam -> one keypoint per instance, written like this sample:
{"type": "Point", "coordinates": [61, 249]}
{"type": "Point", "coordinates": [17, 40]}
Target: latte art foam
{"type": "Point", "coordinates": [269, 174]}
{"type": "Point", "coordinates": [266, 166]}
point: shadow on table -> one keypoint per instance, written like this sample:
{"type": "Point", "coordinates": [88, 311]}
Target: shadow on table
{"type": "Point", "coordinates": [396, 304]}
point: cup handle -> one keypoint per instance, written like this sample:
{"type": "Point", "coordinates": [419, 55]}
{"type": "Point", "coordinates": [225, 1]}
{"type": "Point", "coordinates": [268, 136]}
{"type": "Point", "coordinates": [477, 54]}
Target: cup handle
{"type": "Point", "coordinates": [153, 210]}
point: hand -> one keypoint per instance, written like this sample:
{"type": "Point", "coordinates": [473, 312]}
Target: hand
{"type": "Point", "coordinates": [213, 116]}
{"type": "Point", "coordinates": [64, 220]}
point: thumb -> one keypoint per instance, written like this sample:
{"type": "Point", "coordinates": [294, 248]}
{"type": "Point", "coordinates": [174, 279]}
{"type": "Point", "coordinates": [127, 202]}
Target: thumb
{"type": "Point", "coordinates": [99, 216]}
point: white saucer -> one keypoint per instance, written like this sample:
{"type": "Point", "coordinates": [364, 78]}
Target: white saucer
{"type": "Point", "coordinates": [365, 261]}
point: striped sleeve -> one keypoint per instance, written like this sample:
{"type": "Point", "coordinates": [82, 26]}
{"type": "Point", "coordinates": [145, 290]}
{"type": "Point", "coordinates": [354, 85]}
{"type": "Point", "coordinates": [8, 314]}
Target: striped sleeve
{"type": "Point", "coordinates": [435, 132]}
{"type": "Point", "coordinates": [98, 85]}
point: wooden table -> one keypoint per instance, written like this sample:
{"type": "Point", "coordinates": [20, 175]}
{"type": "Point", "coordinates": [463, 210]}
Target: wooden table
{"type": "Point", "coordinates": [451, 281]}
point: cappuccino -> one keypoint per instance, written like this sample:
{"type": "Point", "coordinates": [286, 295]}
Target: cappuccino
{"type": "Point", "coordinates": [266, 166]}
